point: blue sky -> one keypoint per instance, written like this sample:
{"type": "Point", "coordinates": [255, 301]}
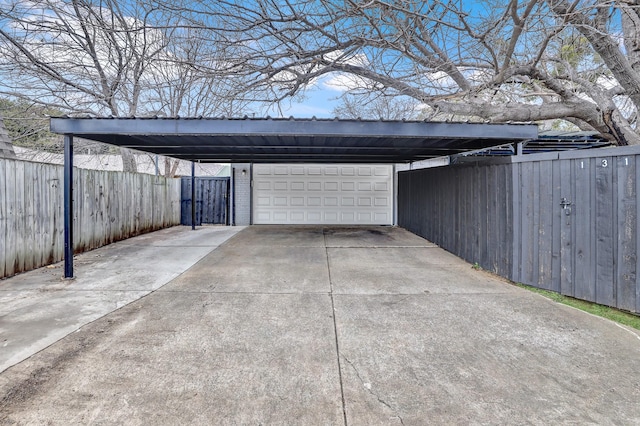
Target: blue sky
{"type": "Point", "coordinates": [319, 102]}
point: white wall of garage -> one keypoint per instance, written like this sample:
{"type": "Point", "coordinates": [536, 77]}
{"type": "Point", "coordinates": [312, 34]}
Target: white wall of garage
{"type": "Point", "coordinates": [349, 194]}
{"type": "Point", "coordinates": [241, 194]}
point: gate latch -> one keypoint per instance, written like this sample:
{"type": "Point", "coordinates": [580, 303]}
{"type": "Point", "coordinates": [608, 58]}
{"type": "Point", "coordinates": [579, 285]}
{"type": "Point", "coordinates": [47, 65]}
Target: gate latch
{"type": "Point", "coordinates": [566, 206]}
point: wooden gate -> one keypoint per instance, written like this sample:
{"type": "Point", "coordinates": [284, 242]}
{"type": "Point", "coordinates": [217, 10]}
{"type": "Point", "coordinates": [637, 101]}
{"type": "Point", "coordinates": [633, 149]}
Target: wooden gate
{"type": "Point", "coordinates": [598, 234]}
{"type": "Point", "coordinates": [212, 196]}
{"type": "Point", "coordinates": [576, 225]}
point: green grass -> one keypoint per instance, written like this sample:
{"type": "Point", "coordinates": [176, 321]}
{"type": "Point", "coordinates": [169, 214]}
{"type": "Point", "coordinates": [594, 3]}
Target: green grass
{"type": "Point", "coordinates": [613, 314]}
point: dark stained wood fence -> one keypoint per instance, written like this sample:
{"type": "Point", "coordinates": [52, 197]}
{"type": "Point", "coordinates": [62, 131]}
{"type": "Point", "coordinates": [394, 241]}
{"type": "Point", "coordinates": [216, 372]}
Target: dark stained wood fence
{"type": "Point", "coordinates": [566, 222]}
{"type": "Point", "coordinates": [463, 209]}
{"type": "Point", "coordinates": [212, 201]}
{"type": "Point", "coordinates": [108, 206]}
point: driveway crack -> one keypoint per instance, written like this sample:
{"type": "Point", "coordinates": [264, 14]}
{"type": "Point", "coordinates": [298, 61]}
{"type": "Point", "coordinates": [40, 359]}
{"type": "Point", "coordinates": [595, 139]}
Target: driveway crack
{"type": "Point", "coordinates": [335, 328]}
{"type": "Point", "coordinates": [367, 386]}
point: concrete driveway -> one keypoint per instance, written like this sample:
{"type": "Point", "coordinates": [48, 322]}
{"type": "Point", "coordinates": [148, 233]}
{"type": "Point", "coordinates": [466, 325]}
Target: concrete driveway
{"type": "Point", "coordinates": [332, 326]}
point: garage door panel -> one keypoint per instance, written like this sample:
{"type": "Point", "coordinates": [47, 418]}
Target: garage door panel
{"type": "Point", "coordinates": [382, 217]}
{"type": "Point", "coordinates": [348, 171]}
{"type": "Point", "coordinates": [264, 201]}
{"type": "Point", "coordinates": [331, 201]}
{"type": "Point", "coordinates": [262, 170]}
{"type": "Point", "coordinates": [280, 201]}
{"type": "Point", "coordinates": [314, 201]}
{"type": "Point", "coordinates": [364, 186]}
{"type": "Point", "coordinates": [264, 186]}
{"type": "Point", "coordinates": [323, 194]}
{"type": "Point", "coordinates": [348, 186]}
{"type": "Point", "coordinates": [281, 170]}
{"type": "Point", "coordinates": [331, 186]}
{"type": "Point", "coordinates": [348, 201]}
{"type": "Point", "coordinates": [382, 171]}
{"type": "Point", "coordinates": [364, 216]}
{"type": "Point", "coordinates": [381, 187]}
{"type": "Point", "coordinates": [297, 216]}
{"type": "Point", "coordinates": [314, 217]}
{"type": "Point", "coordinates": [263, 217]}
{"type": "Point", "coordinates": [348, 217]}
{"type": "Point", "coordinates": [297, 186]}
{"type": "Point", "coordinates": [330, 217]}
{"type": "Point", "coordinates": [364, 171]}
{"type": "Point", "coordinates": [280, 216]}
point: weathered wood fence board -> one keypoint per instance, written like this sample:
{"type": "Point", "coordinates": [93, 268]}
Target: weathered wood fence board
{"type": "Point", "coordinates": [507, 216]}
{"type": "Point", "coordinates": [108, 206]}
{"type": "Point", "coordinates": [3, 217]}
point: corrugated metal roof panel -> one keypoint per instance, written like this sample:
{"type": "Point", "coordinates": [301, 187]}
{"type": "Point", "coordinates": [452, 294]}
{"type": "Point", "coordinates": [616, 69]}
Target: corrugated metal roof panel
{"type": "Point", "coordinates": [552, 141]}
{"type": "Point", "coordinates": [294, 140]}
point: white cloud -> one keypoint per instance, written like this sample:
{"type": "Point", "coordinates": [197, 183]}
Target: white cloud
{"type": "Point", "coordinates": [343, 82]}
{"type": "Point", "coordinates": [302, 109]}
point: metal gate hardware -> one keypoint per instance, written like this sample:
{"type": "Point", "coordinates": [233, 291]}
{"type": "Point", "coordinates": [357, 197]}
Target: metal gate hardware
{"type": "Point", "coordinates": [566, 206]}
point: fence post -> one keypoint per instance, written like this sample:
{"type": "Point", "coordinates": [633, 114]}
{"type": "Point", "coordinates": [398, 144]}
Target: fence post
{"type": "Point", "coordinates": [68, 206]}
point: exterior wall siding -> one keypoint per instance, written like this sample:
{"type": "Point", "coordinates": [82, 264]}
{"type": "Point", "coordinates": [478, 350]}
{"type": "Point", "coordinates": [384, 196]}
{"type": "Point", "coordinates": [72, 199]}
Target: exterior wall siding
{"type": "Point", "coordinates": [108, 206]}
{"type": "Point", "coordinates": [242, 193]}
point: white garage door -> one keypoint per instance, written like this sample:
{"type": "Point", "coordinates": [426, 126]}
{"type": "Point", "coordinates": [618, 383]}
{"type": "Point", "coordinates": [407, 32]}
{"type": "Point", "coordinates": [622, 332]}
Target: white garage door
{"type": "Point", "coordinates": [323, 194]}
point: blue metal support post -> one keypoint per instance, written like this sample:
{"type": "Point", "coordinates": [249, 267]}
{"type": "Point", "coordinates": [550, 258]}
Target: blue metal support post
{"type": "Point", "coordinates": [68, 206]}
{"type": "Point", "coordinates": [193, 196]}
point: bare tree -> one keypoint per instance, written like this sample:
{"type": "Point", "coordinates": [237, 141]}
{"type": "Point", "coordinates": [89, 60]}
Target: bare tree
{"type": "Point", "coordinates": [27, 124]}
{"type": "Point", "coordinates": [106, 57]}
{"type": "Point", "coordinates": [378, 106]}
{"type": "Point", "coordinates": [526, 60]}
{"type": "Point", "coordinates": [530, 60]}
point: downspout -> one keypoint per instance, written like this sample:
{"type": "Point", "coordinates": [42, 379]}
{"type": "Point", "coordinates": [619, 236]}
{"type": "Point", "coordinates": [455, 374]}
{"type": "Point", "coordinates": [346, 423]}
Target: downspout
{"type": "Point", "coordinates": [232, 196]}
{"type": "Point", "coordinates": [250, 193]}
{"type": "Point", "coordinates": [394, 174]}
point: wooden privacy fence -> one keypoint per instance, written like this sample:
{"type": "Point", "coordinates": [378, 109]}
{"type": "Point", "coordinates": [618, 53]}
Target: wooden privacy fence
{"type": "Point", "coordinates": [108, 206]}
{"type": "Point", "coordinates": [566, 222]}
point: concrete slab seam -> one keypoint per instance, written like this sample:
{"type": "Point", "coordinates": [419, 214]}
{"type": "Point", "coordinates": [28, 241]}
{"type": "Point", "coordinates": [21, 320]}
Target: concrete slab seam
{"type": "Point", "coordinates": [335, 330]}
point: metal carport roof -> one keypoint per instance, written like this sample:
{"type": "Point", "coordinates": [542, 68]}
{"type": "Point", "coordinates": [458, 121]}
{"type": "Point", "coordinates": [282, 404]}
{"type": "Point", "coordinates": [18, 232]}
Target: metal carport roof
{"type": "Point", "coordinates": [294, 140]}
{"type": "Point", "coordinates": [278, 140]}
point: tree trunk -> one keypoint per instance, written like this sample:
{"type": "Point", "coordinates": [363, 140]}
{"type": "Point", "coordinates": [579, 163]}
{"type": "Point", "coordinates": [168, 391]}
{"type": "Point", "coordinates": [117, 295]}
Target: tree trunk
{"type": "Point", "coordinates": [6, 147]}
{"type": "Point", "coordinates": [620, 129]}
{"type": "Point", "coordinates": [128, 160]}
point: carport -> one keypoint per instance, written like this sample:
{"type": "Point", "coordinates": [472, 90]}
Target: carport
{"type": "Point", "coordinates": [306, 325]}
{"type": "Point", "coordinates": [250, 140]}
